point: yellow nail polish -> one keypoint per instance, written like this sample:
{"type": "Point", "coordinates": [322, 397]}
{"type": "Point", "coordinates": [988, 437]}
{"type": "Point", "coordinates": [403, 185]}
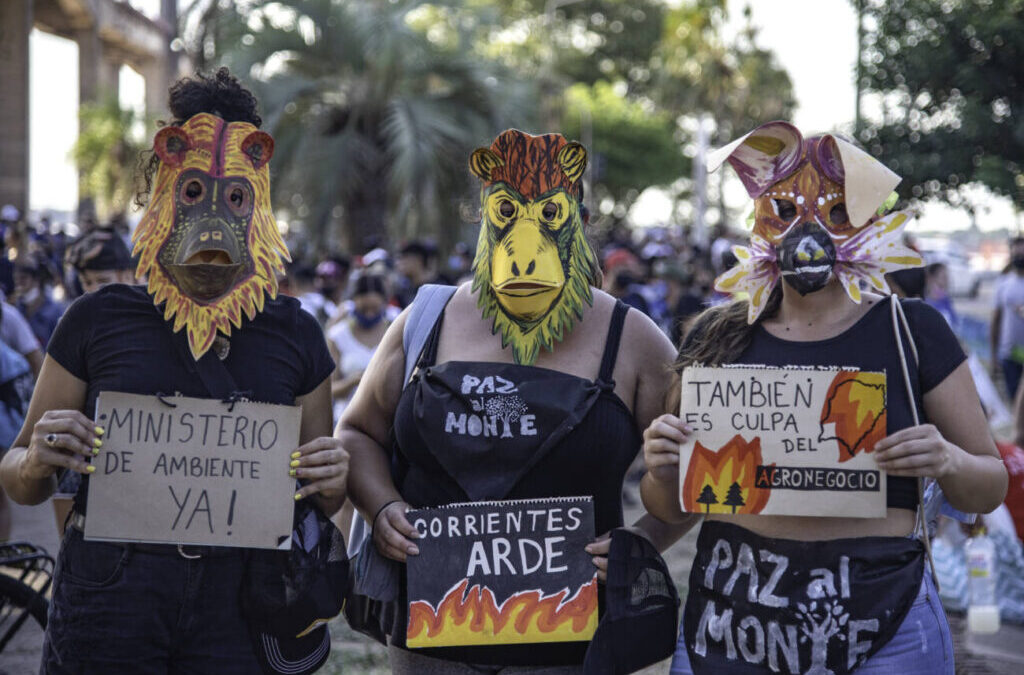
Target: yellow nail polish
{"type": "Point", "coordinates": [90, 469]}
{"type": "Point", "coordinates": [291, 472]}
{"type": "Point", "coordinates": [294, 463]}
{"type": "Point", "coordinates": [97, 442]}
{"type": "Point", "coordinates": [296, 454]}
{"type": "Point", "coordinates": [95, 451]}
{"type": "Point", "coordinates": [98, 430]}
{"type": "Point", "coordinates": [298, 496]}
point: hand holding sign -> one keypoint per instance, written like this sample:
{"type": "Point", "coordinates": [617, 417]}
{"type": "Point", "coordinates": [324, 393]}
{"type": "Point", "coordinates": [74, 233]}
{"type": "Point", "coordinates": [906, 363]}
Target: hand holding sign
{"type": "Point", "coordinates": [917, 451]}
{"type": "Point", "coordinates": [323, 465]}
{"type": "Point", "coordinates": [392, 532]}
{"type": "Point", "coordinates": [662, 441]}
{"type": "Point", "coordinates": [61, 438]}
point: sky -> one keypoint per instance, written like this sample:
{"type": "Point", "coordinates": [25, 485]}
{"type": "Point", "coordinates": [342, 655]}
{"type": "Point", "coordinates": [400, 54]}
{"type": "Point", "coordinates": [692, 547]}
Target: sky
{"type": "Point", "coordinates": [814, 40]}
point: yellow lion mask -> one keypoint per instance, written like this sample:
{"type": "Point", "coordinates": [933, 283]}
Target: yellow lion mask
{"type": "Point", "coordinates": [208, 241]}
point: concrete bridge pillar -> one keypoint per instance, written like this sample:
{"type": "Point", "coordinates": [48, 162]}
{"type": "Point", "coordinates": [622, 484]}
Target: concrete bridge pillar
{"type": "Point", "coordinates": [98, 74]}
{"type": "Point", "coordinates": [15, 26]}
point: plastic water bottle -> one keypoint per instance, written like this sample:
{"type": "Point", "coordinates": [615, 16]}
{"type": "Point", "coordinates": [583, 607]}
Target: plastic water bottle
{"type": "Point", "coordinates": [982, 610]}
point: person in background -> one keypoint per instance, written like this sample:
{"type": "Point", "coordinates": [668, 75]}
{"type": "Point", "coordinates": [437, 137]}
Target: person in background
{"type": "Point", "coordinates": [99, 258]}
{"type": "Point", "coordinates": [416, 265]}
{"type": "Point", "coordinates": [332, 282]}
{"type": "Point", "coordinates": [32, 291]}
{"type": "Point", "coordinates": [9, 218]}
{"type": "Point", "coordinates": [15, 391]}
{"type": "Point", "coordinates": [936, 292]}
{"type": "Point", "coordinates": [353, 340]}
{"type": "Point", "coordinates": [303, 288]}
{"type": "Point", "coordinates": [622, 273]}
{"type": "Point", "coordinates": [17, 334]}
{"type": "Point", "coordinates": [1007, 330]}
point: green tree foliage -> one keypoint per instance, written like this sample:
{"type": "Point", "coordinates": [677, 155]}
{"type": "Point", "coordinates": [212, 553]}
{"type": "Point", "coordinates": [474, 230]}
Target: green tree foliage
{"type": "Point", "coordinates": [951, 86]}
{"type": "Point", "coordinates": [634, 145]}
{"type": "Point", "coordinates": [106, 153]}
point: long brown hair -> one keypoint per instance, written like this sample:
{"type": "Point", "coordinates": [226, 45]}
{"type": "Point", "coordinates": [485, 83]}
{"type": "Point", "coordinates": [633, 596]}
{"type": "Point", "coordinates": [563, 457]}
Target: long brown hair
{"type": "Point", "coordinates": [717, 336]}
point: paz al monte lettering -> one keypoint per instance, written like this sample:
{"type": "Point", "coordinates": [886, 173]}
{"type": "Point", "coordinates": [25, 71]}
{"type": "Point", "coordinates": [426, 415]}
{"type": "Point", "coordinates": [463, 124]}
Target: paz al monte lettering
{"type": "Point", "coordinates": [209, 429]}
{"type": "Point", "coordinates": [511, 554]}
{"type": "Point", "coordinates": [758, 639]}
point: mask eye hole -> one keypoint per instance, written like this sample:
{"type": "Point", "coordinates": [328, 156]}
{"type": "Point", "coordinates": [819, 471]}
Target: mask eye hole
{"type": "Point", "coordinates": [549, 212]}
{"type": "Point", "coordinates": [506, 208]}
{"type": "Point", "coordinates": [838, 216]}
{"type": "Point", "coordinates": [785, 208]}
{"type": "Point", "coordinates": [239, 199]}
{"type": "Point", "coordinates": [192, 191]}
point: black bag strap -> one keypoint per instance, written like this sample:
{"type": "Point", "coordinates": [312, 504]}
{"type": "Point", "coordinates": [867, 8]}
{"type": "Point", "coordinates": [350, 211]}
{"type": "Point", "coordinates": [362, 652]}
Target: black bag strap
{"type": "Point", "coordinates": [214, 375]}
{"type": "Point", "coordinates": [611, 345]}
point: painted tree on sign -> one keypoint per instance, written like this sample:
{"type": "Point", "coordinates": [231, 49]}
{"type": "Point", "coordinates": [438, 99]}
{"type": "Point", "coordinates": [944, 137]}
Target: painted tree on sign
{"type": "Point", "coordinates": [735, 496]}
{"type": "Point", "coordinates": [707, 498]}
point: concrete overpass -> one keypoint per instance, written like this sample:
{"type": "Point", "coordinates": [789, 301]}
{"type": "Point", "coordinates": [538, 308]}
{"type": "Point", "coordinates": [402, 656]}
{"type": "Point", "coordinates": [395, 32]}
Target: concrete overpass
{"type": "Point", "coordinates": [109, 34]}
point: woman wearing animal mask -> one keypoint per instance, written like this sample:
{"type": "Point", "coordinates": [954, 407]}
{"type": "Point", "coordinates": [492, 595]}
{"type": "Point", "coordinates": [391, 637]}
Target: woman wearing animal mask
{"type": "Point", "coordinates": [798, 594]}
{"type": "Point", "coordinates": [529, 352]}
{"type": "Point", "coordinates": [210, 248]}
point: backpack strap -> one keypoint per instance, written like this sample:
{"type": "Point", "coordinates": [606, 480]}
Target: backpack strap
{"type": "Point", "coordinates": [426, 308]}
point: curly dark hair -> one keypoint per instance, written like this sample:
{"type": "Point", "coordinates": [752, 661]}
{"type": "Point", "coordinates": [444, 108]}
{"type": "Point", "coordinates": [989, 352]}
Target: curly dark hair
{"type": "Point", "coordinates": [218, 93]}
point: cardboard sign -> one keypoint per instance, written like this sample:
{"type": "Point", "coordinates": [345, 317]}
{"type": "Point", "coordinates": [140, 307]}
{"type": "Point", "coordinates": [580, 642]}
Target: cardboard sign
{"type": "Point", "coordinates": [783, 441]}
{"type": "Point", "coordinates": [506, 572]}
{"type": "Point", "coordinates": [195, 473]}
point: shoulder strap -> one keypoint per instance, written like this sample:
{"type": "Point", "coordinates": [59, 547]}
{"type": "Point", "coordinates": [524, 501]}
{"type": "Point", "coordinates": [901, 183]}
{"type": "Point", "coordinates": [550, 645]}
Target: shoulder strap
{"type": "Point", "coordinates": [900, 325]}
{"type": "Point", "coordinates": [611, 344]}
{"type": "Point", "coordinates": [215, 376]}
{"type": "Point", "coordinates": [426, 308]}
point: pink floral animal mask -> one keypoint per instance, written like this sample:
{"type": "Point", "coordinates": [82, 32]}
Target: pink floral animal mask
{"type": "Point", "coordinates": [815, 216]}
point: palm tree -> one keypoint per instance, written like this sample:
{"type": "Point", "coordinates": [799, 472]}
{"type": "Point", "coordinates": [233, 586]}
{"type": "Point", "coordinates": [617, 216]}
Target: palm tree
{"type": "Point", "coordinates": [373, 119]}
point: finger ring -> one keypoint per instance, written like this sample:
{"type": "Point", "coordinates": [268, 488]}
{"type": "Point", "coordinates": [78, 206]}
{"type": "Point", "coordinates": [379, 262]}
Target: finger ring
{"type": "Point", "coordinates": [51, 439]}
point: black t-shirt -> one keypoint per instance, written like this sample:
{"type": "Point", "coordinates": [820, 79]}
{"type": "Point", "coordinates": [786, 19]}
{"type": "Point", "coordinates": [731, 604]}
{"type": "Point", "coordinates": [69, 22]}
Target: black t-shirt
{"type": "Point", "coordinates": [870, 344]}
{"type": "Point", "coordinates": [116, 340]}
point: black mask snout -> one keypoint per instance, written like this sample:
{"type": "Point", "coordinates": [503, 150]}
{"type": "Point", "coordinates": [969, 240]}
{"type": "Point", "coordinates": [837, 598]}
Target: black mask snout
{"type": "Point", "coordinates": [806, 257]}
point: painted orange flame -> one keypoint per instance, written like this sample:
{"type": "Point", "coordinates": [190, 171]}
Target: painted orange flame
{"type": "Point", "coordinates": [710, 476]}
{"type": "Point", "coordinates": [855, 403]}
{"type": "Point", "coordinates": [471, 616]}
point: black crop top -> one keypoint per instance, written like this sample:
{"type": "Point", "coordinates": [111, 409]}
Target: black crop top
{"type": "Point", "coordinates": [870, 344]}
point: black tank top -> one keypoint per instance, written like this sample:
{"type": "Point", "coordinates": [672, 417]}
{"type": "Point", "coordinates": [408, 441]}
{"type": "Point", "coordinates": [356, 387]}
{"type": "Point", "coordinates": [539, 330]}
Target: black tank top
{"type": "Point", "coordinates": [471, 431]}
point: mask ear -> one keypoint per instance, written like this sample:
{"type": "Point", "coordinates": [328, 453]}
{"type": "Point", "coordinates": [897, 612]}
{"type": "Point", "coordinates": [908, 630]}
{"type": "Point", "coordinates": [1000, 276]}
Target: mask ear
{"type": "Point", "coordinates": [573, 160]}
{"type": "Point", "coordinates": [259, 147]}
{"type": "Point", "coordinates": [866, 181]}
{"type": "Point", "coordinates": [763, 157]}
{"type": "Point", "coordinates": [171, 144]}
{"type": "Point", "coordinates": [483, 162]}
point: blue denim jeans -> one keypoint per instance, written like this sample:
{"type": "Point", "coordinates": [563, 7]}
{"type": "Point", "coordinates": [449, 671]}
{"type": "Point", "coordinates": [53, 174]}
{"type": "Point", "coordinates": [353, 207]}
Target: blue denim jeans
{"type": "Point", "coordinates": [921, 646]}
{"type": "Point", "coordinates": [118, 608]}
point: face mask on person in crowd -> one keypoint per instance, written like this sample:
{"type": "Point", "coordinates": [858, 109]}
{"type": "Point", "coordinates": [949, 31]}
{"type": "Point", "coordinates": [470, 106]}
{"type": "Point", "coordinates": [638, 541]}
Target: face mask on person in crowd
{"type": "Point", "coordinates": [208, 240]}
{"type": "Point", "coordinates": [30, 296]}
{"type": "Point", "coordinates": [367, 321]}
{"type": "Point", "coordinates": [533, 268]}
{"type": "Point", "coordinates": [815, 216]}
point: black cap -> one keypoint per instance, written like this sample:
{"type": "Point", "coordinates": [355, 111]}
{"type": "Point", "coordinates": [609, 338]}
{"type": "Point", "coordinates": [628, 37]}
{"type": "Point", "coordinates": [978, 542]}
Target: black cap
{"type": "Point", "coordinates": [641, 617]}
{"type": "Point", "coordinates": [291, 595]}
{"type": "Point", "coordinates": [99, 250]}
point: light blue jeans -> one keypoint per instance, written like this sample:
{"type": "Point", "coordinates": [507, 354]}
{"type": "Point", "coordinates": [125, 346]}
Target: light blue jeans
{"type": "Point", "coordinates": [922, 645]}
